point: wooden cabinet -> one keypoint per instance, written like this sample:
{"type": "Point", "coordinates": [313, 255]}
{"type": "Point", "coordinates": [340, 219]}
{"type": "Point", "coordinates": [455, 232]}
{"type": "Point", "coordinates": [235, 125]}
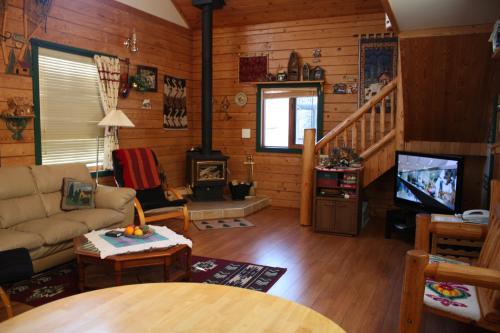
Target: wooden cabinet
{"type": "Point", "coordinates": [337, 204]}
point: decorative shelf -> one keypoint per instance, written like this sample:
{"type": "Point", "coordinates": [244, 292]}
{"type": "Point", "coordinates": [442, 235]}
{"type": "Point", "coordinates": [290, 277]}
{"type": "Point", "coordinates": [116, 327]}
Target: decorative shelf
{"type": "Point", "coordinates": [16, 124]}
{"type": "Point", "coordinates": [282, 82]}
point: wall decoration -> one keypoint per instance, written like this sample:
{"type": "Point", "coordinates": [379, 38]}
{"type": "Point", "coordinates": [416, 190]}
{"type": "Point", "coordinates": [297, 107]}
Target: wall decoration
{"type": "Point", "coordinates": [17, 116]}
{"type": "Point", "coordinates": [124, 80]}
{"type": "Point", "coordinates": [293, 67]}
{"type": "Point", "coordinates": [378, 65]}
{"type": "Point", "coordinates": [253, 68]}
{"type": "Point", "coordinates": [318, 73]}
{"type": "Point", "coordinates": [345, 88]}
{"type": "Point", "coordinates": [317, 55]}
{"type": "Point", "coordinates": [148, 75]}
{"type": "Point", "coordinates": [306, 70]}
{"type": "Point", "coordinates": [146, 104]}
{"type": "Point", "coordinates": [174, 103]}
{"type": "Point", "coordinates": [224, 108]}
{"type": "Point", "coordinates": [241, 99]}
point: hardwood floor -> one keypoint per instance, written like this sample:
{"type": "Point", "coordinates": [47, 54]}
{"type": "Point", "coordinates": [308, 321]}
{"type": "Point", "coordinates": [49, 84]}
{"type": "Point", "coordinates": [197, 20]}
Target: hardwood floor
{"type": "Point", "coordinates": [356, 281]}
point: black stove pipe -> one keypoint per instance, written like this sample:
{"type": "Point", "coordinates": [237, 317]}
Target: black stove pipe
{"type": "Point", "coordinates": [206, 79]}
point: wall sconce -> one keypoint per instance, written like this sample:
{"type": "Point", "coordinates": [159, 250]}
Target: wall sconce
{"type": "Point", "coordinates": [131, 43]}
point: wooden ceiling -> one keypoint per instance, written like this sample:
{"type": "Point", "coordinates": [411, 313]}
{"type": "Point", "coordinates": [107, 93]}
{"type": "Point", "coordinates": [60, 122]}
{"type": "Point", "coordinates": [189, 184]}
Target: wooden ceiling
{"type": "Point", "coordinates": [245, 12]}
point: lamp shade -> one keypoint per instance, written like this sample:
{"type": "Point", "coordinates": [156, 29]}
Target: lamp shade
{"type": "Point", "coordinates": [116, 118]}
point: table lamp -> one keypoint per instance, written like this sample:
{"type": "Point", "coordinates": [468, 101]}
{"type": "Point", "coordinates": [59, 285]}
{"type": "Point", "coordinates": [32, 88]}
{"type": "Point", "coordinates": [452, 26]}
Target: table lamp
{"type": "Point", "coordinates": [113, 120]}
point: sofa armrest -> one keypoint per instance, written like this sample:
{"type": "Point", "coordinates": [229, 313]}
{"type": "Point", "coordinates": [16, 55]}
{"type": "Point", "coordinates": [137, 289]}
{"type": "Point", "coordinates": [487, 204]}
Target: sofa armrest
{"type": "Point", "coordinates": [115, 198]}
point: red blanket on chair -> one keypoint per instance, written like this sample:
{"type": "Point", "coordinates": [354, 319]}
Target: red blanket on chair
{"type": "Point", "coordinates": [139, 168]}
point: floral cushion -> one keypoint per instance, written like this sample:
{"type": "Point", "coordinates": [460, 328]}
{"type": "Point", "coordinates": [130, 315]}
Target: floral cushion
{"type": "Point", "coordinates": [455, 298]}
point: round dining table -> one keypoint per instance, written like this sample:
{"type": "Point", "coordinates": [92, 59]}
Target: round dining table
{"type": "Point", "coordinates": [171, 307]}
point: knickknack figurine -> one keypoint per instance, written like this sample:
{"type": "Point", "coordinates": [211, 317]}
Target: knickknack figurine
{"type": "Point", "coordinates": [306, 72]}
{"type": "Point", "coordinates": [318, 73]}
{"type": "Point", "coordinates": [293, 67]}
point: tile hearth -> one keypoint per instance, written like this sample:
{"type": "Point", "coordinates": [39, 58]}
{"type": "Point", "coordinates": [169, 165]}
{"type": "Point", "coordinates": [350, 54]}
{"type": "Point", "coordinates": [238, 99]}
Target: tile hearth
{"type": "Point", "coordinates": [208, 210]}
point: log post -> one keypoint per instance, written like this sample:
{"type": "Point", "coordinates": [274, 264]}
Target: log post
{"type": "Point", "coordinates": [412, 295]}
{"type": "Point", "coordinates": [382, 117]}
{"type": "Point", "coordinates": [372, 126]}
{"type": "Point", "coordinates": [306, 197]}
{"type": "Point", "coordinates": [363, 133]}
{"type": "Point", "coordinates": [423, 222]}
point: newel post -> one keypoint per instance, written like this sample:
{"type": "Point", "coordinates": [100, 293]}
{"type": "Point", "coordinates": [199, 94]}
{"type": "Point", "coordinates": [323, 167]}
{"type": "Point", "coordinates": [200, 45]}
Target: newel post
{"type": "Point", "coordinates": [306, 196]}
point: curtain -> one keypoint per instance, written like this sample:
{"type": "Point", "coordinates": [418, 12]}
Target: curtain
{"type": "Point", "coordinates": [109, 81]}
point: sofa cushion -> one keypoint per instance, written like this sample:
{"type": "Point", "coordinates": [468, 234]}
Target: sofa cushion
{"type": "Point", "coordinates": [18, 210]}
{"type": "Point", "coordinates": [52, 202]}
{"type": "Point", "coordinates": [94, 219]}
{"type": "Point", "coordinates": [49, 178]}
{"type": "Point", "coordinates": [16, 182]}
{"type": "Point", "coordinates": [11, 239]}
{"type": "Point", "coordinates": [77, 194]}
{"type": "Point", "coordinates": [53, 230]}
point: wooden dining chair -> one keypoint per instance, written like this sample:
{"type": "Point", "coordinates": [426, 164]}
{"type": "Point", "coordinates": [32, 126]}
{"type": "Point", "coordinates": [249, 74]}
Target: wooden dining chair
{"type": "Point", "coordinates": [138, 168]}
{"type": "Point", "coordinates": [449, 288]}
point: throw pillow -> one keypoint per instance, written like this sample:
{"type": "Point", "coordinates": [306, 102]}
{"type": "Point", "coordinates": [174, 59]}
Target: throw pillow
{"type": "Point", "coordinates": [77, 194]}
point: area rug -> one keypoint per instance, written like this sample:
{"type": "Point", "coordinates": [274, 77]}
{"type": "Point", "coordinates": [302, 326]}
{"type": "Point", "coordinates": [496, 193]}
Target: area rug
{"type": "Point", "coordinates": [223, 224]}
{"type": "Point", "coordinates": [62, 281]}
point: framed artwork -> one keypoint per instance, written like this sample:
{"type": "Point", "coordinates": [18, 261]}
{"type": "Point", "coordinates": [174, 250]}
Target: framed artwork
{"type": "Point", "coordinates": [378, 66]}
{"type": "Point", "coordinates": [149, 76]}
{"type": "Point", "coordinates": [253, 68]}
{"type": "Point", "coordinates": [174, 103]}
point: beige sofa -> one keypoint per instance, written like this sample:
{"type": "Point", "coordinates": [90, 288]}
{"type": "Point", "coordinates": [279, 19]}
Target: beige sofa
{"type": "Point", "coordinates": [30, 214]}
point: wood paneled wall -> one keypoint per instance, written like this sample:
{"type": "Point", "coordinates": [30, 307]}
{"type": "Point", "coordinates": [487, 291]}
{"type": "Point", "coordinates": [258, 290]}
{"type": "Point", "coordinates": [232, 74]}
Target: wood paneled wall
{"type": "Point", "coordinates": [278, 175]}
{"type": "Point", "coordinates": [448, 87]}
{"type": "Point", "coordinates": [102, 26]}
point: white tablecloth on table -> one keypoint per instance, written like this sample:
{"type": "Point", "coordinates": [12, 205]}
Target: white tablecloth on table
{"type": "Point", "coordinates": [106, 249]}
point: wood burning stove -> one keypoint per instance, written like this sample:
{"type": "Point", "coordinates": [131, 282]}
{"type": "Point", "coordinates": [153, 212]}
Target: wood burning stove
{"type": "Point", "coordinates": [207, 175]}
{"type": "Point", "coordinates": [206, 169]}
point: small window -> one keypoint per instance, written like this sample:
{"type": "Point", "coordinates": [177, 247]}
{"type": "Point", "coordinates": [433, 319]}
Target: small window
{"type": "Point", "coordinates": [69, 108]}
{"type": "Point", "coordinates": [284, 112]}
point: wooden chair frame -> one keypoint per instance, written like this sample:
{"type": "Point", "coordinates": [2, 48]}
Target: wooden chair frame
{"type": "Point", "coordinates": [6, 302]}
{"type": "Point", "coordinates": [143, 219]}
{"type": "Point", "coordinates": [418, 268]}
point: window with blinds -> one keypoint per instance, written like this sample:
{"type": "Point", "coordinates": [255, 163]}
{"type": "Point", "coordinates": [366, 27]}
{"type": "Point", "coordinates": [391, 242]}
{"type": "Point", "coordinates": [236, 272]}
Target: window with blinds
{"type": "Point", "coordinates": [70, 108]}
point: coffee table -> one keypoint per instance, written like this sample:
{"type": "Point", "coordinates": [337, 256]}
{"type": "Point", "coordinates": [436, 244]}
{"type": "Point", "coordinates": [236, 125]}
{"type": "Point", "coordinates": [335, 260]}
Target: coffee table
{"type": "Point", "coordinates": [86, 255]}
{"type": "Point", "coordinates": [171, 307]}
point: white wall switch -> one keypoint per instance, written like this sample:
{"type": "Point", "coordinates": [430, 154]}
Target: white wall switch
{"type": "Point", "coordinates": [245, 133]}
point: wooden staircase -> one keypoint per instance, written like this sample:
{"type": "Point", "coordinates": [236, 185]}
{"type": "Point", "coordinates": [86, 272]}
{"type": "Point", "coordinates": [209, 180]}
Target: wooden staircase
{"type": "Point", "coordinates": [371, 131]}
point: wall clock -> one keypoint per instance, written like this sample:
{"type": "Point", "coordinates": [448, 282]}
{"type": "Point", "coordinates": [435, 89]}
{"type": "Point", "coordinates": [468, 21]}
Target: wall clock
{"type": "Point", "coordinates": [241, 99]}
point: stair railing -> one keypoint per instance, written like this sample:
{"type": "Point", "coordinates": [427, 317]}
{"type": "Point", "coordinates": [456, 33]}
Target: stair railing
{"type": "Point", "coordinates": [366, 131]}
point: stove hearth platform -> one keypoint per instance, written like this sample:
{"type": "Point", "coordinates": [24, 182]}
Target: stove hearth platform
{"type": "Point", "coordinates": [208, 210]}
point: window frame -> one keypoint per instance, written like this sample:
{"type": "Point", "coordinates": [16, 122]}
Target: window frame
{"type": "Point", "coordinates": [35, 45]}
{"type": "Point", "coordinates": [294, 149]}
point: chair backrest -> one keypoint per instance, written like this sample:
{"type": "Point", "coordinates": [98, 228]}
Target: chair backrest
{"type": "Point", "coordinates": [490, 256]}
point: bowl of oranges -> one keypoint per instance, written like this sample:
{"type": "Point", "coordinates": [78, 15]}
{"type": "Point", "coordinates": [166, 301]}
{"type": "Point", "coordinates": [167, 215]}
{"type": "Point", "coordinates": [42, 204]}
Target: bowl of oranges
{"type": "Point", "coordinates": [135, 231]}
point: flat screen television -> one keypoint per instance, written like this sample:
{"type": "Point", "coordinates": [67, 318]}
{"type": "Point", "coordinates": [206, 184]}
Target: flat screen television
{"type": "Point", "coordinates": [428, 183]}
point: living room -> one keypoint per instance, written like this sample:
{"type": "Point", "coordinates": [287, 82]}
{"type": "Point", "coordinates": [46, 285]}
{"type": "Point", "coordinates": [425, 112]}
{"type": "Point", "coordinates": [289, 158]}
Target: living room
{"type": "Point", "coordinates": [437, 95]}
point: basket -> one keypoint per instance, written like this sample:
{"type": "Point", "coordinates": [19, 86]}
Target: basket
{"type": "Point", "coordinates": [240, 191]}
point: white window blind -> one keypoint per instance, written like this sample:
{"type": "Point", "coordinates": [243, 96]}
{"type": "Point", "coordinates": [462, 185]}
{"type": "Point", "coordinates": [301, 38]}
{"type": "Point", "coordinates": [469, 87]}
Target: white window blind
{"type": "Point", "coordinates": [70, 108]}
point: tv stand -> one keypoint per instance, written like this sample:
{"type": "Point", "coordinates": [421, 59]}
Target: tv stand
{"type": "Point", "coordinates": [400, 220]}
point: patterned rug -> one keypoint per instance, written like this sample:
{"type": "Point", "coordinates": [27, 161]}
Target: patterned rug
{"type": "Point", "coordinates": [62, 281]}
{"type": "Point", "coordinates": [223, 224]}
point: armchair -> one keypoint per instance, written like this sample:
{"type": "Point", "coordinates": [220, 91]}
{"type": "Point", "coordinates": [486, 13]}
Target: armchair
{"type": "Point", "coordinates": [479, 283]}
{"type": "Point", "coordinates": [139, 169]}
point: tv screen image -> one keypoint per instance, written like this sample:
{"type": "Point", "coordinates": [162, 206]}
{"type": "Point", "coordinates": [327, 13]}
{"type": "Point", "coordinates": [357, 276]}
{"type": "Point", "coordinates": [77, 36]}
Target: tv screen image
{"type": "Point", "coordinates": [427, 181]}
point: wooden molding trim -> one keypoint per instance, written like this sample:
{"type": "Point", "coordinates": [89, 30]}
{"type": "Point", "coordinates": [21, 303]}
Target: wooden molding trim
{"type": "Point", "coordinates": [388, 10]}
{"type": "Point", "coordinates": [447, 31]}
{"type": "Point", "coordinates": [439, 147]}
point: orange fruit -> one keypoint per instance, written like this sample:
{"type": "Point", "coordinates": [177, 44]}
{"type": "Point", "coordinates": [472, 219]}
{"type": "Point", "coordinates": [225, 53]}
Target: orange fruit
{"type": "Point", "coordinates": [138, 232]}
{"type": "Point", "coordinates": [130, 230]}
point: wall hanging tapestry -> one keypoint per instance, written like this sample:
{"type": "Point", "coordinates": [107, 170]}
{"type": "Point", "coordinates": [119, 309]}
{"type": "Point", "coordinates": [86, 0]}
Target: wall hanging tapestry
{"type": "Point", "coordinates": [253, 69]}
{"type": "Point", "coordinates": [378, 66]}
{"type": "Point", "coordinates": [174, 103]}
